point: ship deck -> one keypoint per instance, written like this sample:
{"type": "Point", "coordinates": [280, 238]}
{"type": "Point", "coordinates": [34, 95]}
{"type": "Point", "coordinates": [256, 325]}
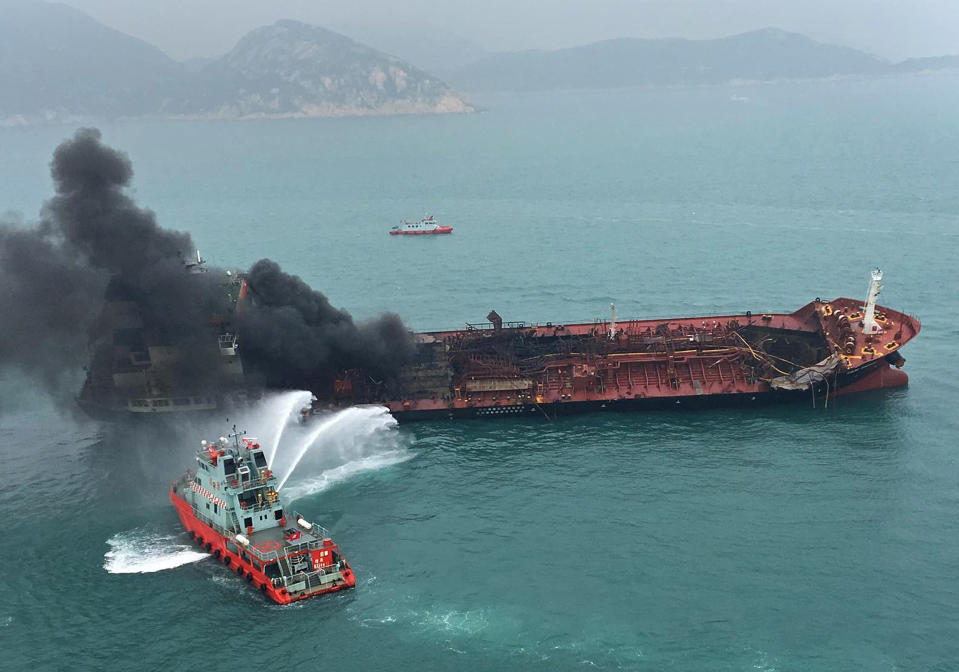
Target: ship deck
{"type": "Point", "coordinates": [273, 540]}
{"type": "Point", "coordinates": [717, 356]}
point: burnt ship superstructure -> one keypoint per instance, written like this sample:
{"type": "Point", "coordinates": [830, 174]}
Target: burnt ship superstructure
{"type": "Point", "coordinates": [821, 351]}
{"type": "Point", "coordinates": [231, 507]}
{"type": "Point", "coordinates": [136, 370]}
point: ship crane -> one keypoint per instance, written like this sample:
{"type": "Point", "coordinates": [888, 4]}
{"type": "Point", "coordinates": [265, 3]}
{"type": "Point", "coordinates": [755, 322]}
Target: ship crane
{"type": "Point", "coordinates": [612, 322]}
{"type": "Point", "coordinates": [869, 324]}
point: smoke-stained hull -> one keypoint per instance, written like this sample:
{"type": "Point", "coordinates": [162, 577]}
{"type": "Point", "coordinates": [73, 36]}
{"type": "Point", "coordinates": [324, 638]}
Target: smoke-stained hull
{"type": "Point", "coordinates": [494, 370]}
{"type": "Point", "coordinates": [498, 369]}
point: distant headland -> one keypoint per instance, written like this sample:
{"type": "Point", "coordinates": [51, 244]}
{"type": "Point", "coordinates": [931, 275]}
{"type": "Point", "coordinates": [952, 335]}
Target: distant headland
{"type": "Point", "coordinates": [59, 65]}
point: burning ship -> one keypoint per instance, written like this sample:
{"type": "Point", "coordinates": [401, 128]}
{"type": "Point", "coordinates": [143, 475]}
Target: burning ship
{"type": "Point", "coordinates": [138, 369]}
{"type": "Point", "coordinates": [231, 508]}
{"type": "Point", "coordinates": [821, 351]}
{"type": "Point", "coordinates": [825, 349]}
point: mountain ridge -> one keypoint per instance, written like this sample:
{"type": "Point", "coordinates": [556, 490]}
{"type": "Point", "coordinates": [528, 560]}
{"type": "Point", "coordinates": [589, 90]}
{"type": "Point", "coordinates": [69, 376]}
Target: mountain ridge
{"type": "Point", "coordinates": [57, 64]}
{"type": "Point", "coordinates": [760, 55]}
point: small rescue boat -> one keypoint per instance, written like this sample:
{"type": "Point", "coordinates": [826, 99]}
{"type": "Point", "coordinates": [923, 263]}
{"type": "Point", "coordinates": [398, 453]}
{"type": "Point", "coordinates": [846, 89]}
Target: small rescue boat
{"type": "Point", "coordinates": [426, 226]}
{"type": "Point", "coordinates": [231, 508]}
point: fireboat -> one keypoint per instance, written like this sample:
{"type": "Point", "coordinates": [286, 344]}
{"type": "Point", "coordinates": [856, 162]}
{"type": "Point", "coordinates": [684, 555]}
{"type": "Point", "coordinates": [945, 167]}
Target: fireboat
{"type": "Point", "coordinates": [426, 226]}
{"type": "Point", "coordinates": [231, 508]}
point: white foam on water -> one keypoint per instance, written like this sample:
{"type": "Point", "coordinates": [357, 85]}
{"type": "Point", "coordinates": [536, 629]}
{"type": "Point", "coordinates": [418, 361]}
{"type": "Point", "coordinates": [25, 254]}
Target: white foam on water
{"type": "Point", "coordinates": [139, 551]}
{"type": "Point", "coordinates": [341, 444]}
{"type": "Point", "coordinates": [469, 622]}
{"type": "Point", "coordinates": [343, 472]}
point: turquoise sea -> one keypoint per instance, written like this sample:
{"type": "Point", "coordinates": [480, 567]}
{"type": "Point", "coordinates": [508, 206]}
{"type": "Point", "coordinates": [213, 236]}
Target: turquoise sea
{"type": "Point", "coordinates": [780, 539]}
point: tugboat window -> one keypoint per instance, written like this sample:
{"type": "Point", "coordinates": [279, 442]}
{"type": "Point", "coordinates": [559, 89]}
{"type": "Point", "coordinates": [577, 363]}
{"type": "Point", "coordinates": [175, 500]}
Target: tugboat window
{"type": "Point", "coordinates": [278, 514]}
{"type": "Point", "coordinates": [229, 466]}
{"type": "Point", "coordinates": [248, 522]}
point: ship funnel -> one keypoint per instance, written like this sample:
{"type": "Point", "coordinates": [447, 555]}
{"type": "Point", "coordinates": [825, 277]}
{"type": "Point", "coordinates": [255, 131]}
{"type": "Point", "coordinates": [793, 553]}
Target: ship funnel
{"type": "Point", "coordinates": [869, 324]}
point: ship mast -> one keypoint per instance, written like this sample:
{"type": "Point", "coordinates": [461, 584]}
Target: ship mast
{"type": "Point", "coordinates": [869, 324]}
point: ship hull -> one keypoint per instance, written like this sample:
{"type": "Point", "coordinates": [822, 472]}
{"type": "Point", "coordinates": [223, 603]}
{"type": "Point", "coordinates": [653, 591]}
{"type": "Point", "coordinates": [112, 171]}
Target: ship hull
{"type": "Point", "coordinates": [430, 232]}
{"type": "Point", "coordinates": [503, 369]}
{"type": "Point", "coordinates": [215, 544]}
{"type": "Point", "coordinates": [874, 376]}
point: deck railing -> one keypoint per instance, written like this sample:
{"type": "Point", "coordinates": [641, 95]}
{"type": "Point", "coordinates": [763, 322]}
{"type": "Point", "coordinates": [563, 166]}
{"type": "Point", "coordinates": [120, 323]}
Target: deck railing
{"type": "Point", "coordinates": [487, 326]}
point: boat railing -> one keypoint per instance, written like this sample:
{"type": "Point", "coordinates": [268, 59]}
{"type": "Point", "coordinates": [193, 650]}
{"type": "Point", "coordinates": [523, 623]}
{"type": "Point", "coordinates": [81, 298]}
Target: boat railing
{"type": "Point", "coordinates": [489, 326]}
{"type": "Point", "coordinates": [252, 482]}
{"type": "Point", "coordinates": [314, 578]}
{"type": "Point", "coordinates": [262, 556]}
{"type": "Point", "coordinates": [183, 479]}
{"type": "Point", "coordinates": [317, 533]}
{"type": "Point", "coordinates": [255, 508]}
{"type": "Point", "coordinates": [315, 529]}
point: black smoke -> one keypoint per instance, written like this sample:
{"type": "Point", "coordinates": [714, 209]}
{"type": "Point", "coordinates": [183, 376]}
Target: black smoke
{"type": "Point", "coordinates": [92, 239]}
{"type": "Point", "coordinates": [295, 337]}
{"type": "Point", "coordinates": [93, 242]}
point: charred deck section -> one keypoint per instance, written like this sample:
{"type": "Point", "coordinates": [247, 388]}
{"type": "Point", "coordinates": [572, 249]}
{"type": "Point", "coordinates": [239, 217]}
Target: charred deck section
{"type": "Point", "coordinates": [511, 368]}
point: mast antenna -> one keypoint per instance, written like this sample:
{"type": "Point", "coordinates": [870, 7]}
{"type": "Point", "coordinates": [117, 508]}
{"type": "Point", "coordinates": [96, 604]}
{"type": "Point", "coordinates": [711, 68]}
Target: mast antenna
{"type": "Point", "coordinates": [236, 436]}
{"type": "Point", "coordinates": [869, 324]}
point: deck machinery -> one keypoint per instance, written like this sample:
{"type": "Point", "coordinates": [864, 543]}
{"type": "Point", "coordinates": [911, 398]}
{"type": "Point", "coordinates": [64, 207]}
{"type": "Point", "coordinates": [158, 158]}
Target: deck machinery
{"type": "Point", "coordinates": [494, 369]}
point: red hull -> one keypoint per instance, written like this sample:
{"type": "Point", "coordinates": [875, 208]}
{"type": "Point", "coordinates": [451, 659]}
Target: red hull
{"type": "Point", "coordinates": [214, 544]}
{"type": "Point", "coordinates": [511, 369]}
{"type": "Point", "coordinates": [438, 230]}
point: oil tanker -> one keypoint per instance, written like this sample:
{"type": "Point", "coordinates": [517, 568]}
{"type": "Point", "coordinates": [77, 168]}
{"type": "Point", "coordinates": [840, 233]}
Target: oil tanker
{"type": "Point", "coordinates": [499, 369]}
{"type": "Point", "coordinates": [825, 349]}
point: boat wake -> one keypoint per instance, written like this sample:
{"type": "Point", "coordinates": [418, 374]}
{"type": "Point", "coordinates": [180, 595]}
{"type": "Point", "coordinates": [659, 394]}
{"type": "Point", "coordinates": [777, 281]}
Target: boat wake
{"type": "Point", "coordinates": [139, 551]}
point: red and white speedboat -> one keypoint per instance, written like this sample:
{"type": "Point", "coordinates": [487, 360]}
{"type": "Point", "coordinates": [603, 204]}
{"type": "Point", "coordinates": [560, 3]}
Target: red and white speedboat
{"type": "Point", "coordinates": [425, 226]}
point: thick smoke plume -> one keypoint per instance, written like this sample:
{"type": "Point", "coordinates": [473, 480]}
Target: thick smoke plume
{"type": "Point", "coordinates": [91, 238]}
{"type": "Point", "coordinates": [93, 242]}
{"type": "Point", "coordinates": [296, 338]}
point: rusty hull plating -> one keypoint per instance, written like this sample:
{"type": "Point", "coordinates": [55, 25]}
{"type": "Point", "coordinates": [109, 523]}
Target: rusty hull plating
{"type": "Point", "coordinates": [501, 368]}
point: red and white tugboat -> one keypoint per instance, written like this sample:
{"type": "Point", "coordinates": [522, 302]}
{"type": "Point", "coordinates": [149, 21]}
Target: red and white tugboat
{"type": "Point", "coordinates": [231, 507]}
{"type": "Point", "coordinates": [425, 226]}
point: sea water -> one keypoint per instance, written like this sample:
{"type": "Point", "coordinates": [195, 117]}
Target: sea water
{"type": "Point", "coordinates": [782, 539]}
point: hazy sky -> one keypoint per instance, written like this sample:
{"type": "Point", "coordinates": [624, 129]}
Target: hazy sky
{"type": "Point", "coordinates": [892, 29]}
